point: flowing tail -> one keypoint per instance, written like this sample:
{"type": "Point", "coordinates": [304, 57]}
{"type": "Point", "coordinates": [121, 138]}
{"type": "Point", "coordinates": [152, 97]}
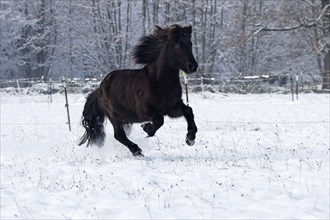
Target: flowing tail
{"type": "Point", "coordinates": [92, 120]}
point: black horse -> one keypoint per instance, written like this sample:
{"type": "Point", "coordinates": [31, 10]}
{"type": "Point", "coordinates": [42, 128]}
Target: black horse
{"type": "Point", "coordinates": [144, 95]}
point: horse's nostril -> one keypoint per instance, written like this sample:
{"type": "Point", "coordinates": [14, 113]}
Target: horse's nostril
{"type": "Point", "coordinates": [192, 68]}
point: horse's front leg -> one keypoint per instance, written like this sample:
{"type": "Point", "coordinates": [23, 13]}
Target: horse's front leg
{"type": "Point", "coordinates": [151, 128]}
{"type": "Point", "coordinates": [192, 128]}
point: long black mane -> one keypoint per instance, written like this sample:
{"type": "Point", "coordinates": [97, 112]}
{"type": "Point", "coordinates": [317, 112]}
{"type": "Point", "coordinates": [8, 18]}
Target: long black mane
{"type": "Point", "coordinates": [149, 46]}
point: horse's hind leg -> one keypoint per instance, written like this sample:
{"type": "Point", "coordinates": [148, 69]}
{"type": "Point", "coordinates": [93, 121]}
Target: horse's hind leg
{"type": "Point", "coordinates": [192, 128]}
{"type": "Point", "coordinates": [151, 128]}
{"type": "Point", "coordinates": [120, 136]}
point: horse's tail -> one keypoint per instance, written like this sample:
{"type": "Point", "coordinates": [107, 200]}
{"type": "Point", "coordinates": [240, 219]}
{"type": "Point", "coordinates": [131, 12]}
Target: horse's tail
{"type": "Point", "coordinates": [92, 120]}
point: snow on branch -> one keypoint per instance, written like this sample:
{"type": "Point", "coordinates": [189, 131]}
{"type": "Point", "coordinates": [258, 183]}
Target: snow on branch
{"type": "Point", "coordinates": [302, 24]}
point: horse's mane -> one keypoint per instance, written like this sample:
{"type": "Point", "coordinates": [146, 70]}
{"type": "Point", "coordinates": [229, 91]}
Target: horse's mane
{"type": "Point", "coordinates": [149, 46]}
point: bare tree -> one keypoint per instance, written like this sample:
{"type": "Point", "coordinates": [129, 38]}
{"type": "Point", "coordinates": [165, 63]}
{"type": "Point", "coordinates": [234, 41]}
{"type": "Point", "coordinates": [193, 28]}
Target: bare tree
{"type": "Point", "coordinates": [93, 37]}
{"type": "Point", "coordinates": [318, 22]}
{"type": "Point", "coordinates": [36, 44]}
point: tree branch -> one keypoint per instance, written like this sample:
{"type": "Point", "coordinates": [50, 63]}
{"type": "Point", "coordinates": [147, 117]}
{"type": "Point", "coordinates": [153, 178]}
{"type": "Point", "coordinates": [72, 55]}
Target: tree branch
{"type": "Point", "coordinates": [260, 27]}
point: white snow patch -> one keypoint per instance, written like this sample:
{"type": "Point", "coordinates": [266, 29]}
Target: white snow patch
{"type": "Point", "coordinates": [255, 156]}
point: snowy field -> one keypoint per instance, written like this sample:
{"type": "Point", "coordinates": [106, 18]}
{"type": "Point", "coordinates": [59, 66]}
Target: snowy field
{"type": "Point", "coordinates": [256, 156]}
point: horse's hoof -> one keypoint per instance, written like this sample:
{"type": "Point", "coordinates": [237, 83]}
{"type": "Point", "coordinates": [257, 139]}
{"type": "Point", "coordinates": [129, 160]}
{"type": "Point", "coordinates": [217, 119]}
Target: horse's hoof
{"type": "Point", "coordinates": [138, 154]}
{"type": "Point", "coordinates": [190, 142]}
{"type": "Point", "coordinates": [147, 127]}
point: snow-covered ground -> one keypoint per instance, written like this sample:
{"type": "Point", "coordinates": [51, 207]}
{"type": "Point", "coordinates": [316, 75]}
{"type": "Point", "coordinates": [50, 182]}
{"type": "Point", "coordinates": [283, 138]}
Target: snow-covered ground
{"type": "Point", "coordinates": [256, 156]}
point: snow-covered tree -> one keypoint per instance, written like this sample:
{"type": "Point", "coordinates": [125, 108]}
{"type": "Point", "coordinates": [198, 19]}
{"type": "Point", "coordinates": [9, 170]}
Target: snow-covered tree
{"type": "Point", "coordinates": [92, 37]}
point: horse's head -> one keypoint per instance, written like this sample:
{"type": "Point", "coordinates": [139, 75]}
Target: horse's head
{"type": "Point", "coordinates": [179, 50]}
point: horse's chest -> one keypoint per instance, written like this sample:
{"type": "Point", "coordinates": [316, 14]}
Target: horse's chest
{"type": "Point", "coordinates": [166, 100]}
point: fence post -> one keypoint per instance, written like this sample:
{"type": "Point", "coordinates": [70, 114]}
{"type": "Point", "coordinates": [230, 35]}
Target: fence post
{"type": "Point", "coordinates": [186, 86]}
{"type": "Point", "coordinates": [50, 97]}
{"type": "Point", "coordinates": [202, 84]}
{"type": "Point", "coordinates": [297, 85]}
{"type": "Point", "coordinates": [18, 87]}
{"type": "Point", "coordinates": [66, 103]}
{"type": "Point", "coordinates": [291, 79]}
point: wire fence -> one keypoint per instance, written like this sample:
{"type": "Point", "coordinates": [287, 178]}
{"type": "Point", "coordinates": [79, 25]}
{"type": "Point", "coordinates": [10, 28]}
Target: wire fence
{"type": "Point", "coordinates": [238, 84]}
{"type": "Point", "coordinates": [203, 125]}
{"type": "Point", "coordinates": [293, 84]}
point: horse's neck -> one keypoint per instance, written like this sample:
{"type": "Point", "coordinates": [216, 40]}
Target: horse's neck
{"type": "Point", "coordinates": [163, 74]}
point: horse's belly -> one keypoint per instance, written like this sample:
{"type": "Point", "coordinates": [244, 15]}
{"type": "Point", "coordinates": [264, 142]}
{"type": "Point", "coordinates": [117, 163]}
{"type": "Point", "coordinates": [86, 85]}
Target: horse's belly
{"type": "Point", "coordinates": [172, 109]}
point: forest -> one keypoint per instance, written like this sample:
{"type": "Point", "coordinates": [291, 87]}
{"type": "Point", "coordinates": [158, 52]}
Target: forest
{"type": "Point", "coordinates": [90, 38]}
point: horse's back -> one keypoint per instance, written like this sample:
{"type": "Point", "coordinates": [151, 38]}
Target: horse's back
{"type": "Point", "coordinates": [124, 94]}
{"type": "Point", "coordinates": [122, 83]}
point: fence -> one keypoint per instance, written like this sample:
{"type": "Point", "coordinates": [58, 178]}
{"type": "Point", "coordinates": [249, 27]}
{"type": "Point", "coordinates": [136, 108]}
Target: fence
{"type": "Point", "coordinates": [283, 83]}
{"type": "Point", "coordinates": [296, 83]}
{"type": "Point", "coordinates": [239, 84]}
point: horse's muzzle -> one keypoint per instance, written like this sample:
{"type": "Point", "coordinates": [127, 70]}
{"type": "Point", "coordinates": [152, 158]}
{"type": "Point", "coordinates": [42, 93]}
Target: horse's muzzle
{"type": "Point", "coordinates": [192, 67]}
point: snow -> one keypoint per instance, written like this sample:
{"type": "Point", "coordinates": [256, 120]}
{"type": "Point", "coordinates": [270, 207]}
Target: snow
{"type": "Point", "coordinates": [255, 156]}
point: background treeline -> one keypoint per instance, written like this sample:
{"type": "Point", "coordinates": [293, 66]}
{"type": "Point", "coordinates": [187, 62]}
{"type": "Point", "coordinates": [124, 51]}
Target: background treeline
{"type": "Point", "coordinates": [87, 38]}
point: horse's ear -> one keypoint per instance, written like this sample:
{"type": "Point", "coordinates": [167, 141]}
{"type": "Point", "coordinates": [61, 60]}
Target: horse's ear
{"type": "Point", "coordinates": [160, 32]}
{"type": "Point", "coordinates": [187, 31]}
{"type": "Point", "coordinates": [188, 28]}
{"type": "Point", "coordinates": [157, 30]}
{"type": "Point", "coordinates": [176, 31]}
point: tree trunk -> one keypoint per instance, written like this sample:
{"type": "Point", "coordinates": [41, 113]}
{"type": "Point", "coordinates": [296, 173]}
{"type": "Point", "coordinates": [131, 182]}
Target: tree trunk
{"type": "Point", "coordinates": [243, 54]}
{"type": "Point", "coordinates": [194, 22]}
{"type": "Point", "coordinates": [326, 72]}
{"type": "Point", "coordinates": [326, 29]}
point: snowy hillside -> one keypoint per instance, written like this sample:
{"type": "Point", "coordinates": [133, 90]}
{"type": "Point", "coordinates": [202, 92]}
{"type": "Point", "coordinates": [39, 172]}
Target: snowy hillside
{"type": "Point", "coordinates": [256, 156]}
